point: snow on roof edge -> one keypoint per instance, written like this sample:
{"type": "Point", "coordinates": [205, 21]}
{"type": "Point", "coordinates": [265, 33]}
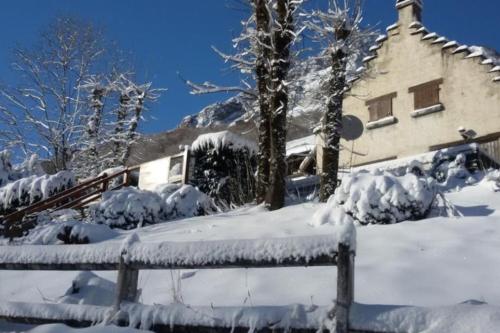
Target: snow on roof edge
{"type": "Point", "coordinates": [302, 145]}
{"type": "Point", "coordinates": [223, 138]}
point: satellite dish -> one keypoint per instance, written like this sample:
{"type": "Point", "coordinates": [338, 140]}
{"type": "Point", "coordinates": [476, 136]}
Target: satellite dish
{"type": "Point", "coordinates": [352, 127]}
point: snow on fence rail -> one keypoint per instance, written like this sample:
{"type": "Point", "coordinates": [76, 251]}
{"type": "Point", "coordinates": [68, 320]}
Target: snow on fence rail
{"type": "Point", "coordinates": [131, 256]}
{"type": "Point", "coordinates": [181, 317]}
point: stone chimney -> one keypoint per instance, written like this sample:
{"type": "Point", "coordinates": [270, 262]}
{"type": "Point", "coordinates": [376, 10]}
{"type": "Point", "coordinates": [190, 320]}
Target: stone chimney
{"type": "Point", "coordinates": [409, 11]}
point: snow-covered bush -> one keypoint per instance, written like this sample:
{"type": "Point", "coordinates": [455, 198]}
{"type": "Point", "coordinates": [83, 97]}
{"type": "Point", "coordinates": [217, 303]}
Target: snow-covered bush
{"type": "Point", "coordinates": [130, 207]}
{"type": "Point", "coordinates": [224, 169]}
{"type": "Point", "coordinates": [382, 198]}
{"type": "Point", "coordinates": [70, 232]}
{"type": "Point", "coordinates": [127, 208]}
{"type": "Point", "coordinates": [29, 190]}
{"type": "Point", "coordinates": [65, 227]}
{"type": "Point", "coordinates": [187, 201]}
{"type": "Point", "coordinates": [415, 167]}
{"type": "Point", "coordinates": [451, 171]}
{"type": "Point", "coordinates": [166, 190]}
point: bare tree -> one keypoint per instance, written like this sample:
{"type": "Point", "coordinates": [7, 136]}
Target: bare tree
{"type": "Point", "coordinates": [117, 106]}
{"type": "Point", "coordinates": [134, 98]}
{"type": "Point", "coordinates": [46, 106]}
{"type": "Point", "coordinates": [345, 40]}
{"type": "Point", "coordinates": [73, 99]}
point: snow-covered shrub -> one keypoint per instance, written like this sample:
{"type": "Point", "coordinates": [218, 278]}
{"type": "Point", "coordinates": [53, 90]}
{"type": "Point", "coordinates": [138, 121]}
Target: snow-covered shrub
{"type": "Point", "coordinates": [187, 201]}
{"type": "Point", "coordinates": [415, 167]}
{"type": "Point", "coordinates": [127, 208]}
{"type": "Point", "coordinates": [70, 232]}
{"type": "Point", "coordinates": [224, 169]}
{"type": "Point", "coordinates": [65, 227]}
{"type": "Point", "coordinates": [451, 171]}
{"type": "Point", "coordinates": [130, 207]}
{"type": "Point", "coordinates": [382, 198]}
{"type": "Point", "coordinates": [26, 191]}
{"type": "Point", "coordinates": [166, 190]}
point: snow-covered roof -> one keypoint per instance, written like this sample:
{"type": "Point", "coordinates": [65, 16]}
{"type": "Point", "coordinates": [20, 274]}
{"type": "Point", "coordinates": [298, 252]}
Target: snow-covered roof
{"type": "Point", "coordinates": [224, 138]}
{"type": "Point", "coordinates": [302, 145]}
{"type": "Point", "coordinates": [490, 57]}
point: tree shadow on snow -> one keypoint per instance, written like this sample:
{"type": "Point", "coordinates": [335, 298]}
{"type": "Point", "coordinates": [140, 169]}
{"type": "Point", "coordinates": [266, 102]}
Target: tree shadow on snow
{"type": "Point", "coordinates": [481, 210]}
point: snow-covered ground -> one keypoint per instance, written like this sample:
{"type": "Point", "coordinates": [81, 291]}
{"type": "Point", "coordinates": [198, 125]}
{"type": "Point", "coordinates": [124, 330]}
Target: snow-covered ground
{"type": "Point", "coordinates": [437, 262]}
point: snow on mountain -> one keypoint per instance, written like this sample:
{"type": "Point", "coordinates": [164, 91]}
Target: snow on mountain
{"type": "Point", "coordinates": [307, 99]}
{"type": "Point", "coordinates": [221, 113]}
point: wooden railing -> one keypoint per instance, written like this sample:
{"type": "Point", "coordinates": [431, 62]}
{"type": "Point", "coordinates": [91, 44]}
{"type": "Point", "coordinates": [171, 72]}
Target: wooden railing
{"type": "Point", "coordinates": [74, 197]}
{"type": "Point", "coordinates": [129, 262]}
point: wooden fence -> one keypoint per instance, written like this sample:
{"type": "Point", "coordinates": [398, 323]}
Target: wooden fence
{"type": "Point", "coordinates": [129, 266]}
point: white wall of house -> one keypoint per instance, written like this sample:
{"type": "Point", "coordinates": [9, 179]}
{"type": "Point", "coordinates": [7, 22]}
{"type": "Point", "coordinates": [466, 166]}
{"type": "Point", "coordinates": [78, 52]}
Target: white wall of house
{"type": "Point", "coordinates": [469, 93]}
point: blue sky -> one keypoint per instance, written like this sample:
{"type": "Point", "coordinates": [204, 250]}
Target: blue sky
{"type": "Point", "coordinates": [170, 36]}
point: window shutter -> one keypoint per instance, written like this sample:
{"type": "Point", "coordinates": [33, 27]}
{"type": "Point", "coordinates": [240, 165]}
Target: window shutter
{"type": "Point", "coordinates": [427, 94]}
{"type": "Point", "coordinates": [380, 107]}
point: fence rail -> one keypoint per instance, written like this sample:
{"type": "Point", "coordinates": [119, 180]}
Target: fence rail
{"type": "Point", "coordinates": [75, 197]}
{"type": "Point", "coordinates": [128, 267]}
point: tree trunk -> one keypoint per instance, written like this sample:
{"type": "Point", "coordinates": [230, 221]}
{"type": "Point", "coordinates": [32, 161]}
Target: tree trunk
{"type": "Point", "coordinates": [121, 118]}
{"type": "Point", "coordinates": [332, 126]}
{"type": "Point", "coordinates": [279, 103]}
{"type": "Point", "coordinates": [132, 130]}
{"type": "Point", "coordinates": [262, 15]}
{"type": "Point", "coordinates": [95, 120]}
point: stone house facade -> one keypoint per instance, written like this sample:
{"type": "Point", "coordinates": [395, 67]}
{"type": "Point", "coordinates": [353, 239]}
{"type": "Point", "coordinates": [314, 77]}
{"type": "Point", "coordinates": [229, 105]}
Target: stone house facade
{"type": "Point", "coordinates": [421, 92]}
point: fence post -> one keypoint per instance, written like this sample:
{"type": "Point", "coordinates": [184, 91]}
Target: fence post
{"type": "Point", "coordinates": [105, 183]}
{"type": "Point", "coordinates": [126, 284]}
{"type": "Point", "coordinates": [345, 287]}
{"type": "Point", "coordinates": [126, 178]}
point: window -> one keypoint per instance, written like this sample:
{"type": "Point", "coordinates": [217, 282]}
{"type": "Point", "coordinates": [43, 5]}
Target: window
{"type": "Point", "coordinates": [426, 95]}
{"type": "Point", "coordinates": [380, 107]}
